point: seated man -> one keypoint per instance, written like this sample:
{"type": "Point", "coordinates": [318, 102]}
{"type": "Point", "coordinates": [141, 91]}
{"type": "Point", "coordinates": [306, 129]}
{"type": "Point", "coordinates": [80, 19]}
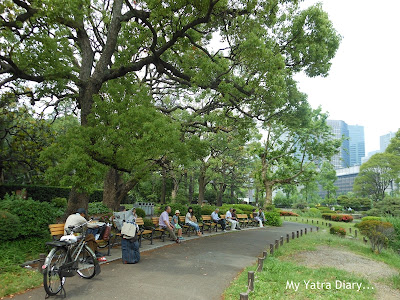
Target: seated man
{"type": "Point", "coordinates": [229, 218]}
{"type": "Point", "coordinates": [261, 215]}
{"type": "Point", "coordinates": [217, 219]}
{"type": "Point", "coordinates": [166, 225]}
{"type": "Point", "coordinates": [78, 219]}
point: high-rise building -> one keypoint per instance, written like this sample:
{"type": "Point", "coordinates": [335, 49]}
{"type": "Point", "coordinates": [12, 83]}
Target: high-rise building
{"type": "Point", "coordinates": [385, 140]}
{"type": "Point", "coordinates": [357, 144]}
{"type": "Point", "coordinates": [339, 130]}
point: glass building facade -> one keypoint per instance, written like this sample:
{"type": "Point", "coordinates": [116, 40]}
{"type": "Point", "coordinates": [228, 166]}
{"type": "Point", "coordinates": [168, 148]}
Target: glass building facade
{"type": "Point", "coordinates": [356, 144]}
{"type": "Point", "coordinates": [340, 129]}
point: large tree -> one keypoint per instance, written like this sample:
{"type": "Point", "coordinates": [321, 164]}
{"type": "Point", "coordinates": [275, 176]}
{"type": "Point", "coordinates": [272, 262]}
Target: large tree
{"type": "Point", "coordinates": [377, 175]}
{"type": "Point", "coordinates": [292, 146]}
{"type": "Point", "coordinates": [55, 51]}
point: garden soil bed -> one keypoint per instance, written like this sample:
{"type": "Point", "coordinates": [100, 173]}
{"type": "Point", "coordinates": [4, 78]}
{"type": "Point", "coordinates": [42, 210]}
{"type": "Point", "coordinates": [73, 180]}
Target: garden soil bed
{"type": "Point", "coordinates": [372, 270]}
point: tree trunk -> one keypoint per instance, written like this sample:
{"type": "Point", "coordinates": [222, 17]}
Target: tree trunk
{"type": "Point", "coordinates": [76, 200]}
{"type": "Point", "coordinates": [233, 194]}
{"type": "Point", "coordinates": [202, 187]}
{"type": "Point", "coordinates": [268, 194]}
{"type": "Point", "coordinates": [163, 186]}
{"type": "Point", "coordinates": [191, 188]}
{"type": "Point", "coordinates": [256, 197]}
{"type": "Point", "coordinates": [174, 191]}
{"type": "Point", "coordinates": [116, 189]}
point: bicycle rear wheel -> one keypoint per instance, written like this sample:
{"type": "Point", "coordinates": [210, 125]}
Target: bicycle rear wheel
{"type": "Point", "coordinates": [86, 263]}
{"type": "Point", "coordinates": [52, 280]}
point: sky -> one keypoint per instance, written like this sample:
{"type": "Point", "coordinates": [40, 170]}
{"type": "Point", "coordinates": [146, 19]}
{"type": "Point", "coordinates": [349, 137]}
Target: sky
{"type": "Point", "coordinates": [364, 82]}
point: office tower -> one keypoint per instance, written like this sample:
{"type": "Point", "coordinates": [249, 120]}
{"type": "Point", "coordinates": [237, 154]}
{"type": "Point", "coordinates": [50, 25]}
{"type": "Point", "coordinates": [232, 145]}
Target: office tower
{"type": "Point", "coordinates": [385, 140]}
{"type": "Point", "coordinates": [357, 144]}
{"type": "Point", "coordinates": [339, 130]}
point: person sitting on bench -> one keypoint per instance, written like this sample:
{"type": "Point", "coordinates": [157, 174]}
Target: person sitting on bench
{"type": "Point", "coordinates": [217, 219]}
{"type": "Point", "coordinates": [77, 219]}
{"type": "Point", "coordinates": [175, 223]}
{"type": "Point", "coordinates": [190, 219]}
{"type": "Point", "coordinates": [166, 225]}
{"type": "Point", "coordinates": [228, 217]}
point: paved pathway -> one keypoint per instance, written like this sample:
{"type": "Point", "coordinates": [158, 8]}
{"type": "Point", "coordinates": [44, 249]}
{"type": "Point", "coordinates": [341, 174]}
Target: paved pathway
{"type": "Point", "coordinates": [200, 268]}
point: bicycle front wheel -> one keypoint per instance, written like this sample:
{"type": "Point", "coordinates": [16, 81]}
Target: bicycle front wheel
{"type": "Point", "coordinates": [86, 263]}
{"type": "Point", "coordinates": [52, 280]}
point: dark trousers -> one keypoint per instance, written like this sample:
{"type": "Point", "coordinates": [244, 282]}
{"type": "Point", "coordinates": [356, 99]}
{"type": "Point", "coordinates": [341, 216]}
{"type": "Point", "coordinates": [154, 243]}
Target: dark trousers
{"type": "Point", "coordinates": [223, 223]}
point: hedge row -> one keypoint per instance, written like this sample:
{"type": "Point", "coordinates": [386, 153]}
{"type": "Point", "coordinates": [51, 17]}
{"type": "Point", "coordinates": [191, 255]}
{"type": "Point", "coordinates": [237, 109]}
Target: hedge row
{"type": "Point", "coordinates": [337, 217]}
{"type": "Point", "coordinates": [337, 230]}
{"type": "Point", "coordinates": [45, 193]}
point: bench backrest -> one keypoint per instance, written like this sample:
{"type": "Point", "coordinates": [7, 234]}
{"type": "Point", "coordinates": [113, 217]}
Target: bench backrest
{"type": "Point", "coordinates": [222, 216]}
{"type": "Point", "coordinates": [182, 219]}
{"type": "Point", "coordinates": [206, 217]}
{"type": "Point", "coordinates": [56, 229]}
{"type": "Point", "coordinates": [139, 221]}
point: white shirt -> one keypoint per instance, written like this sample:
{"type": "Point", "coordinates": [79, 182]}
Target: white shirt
{"type": "Point", "coordinates": [214, 216]}
{"type": "Point", "coordinates": [228, 215]}
{"type": "Point", "coordinates": [76, 220]}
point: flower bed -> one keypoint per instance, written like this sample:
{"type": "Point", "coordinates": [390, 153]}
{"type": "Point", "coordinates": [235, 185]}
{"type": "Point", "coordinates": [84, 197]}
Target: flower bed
{"type": "Point", "coordinates": [341, 218]}
{"type": "Point", "coordinates": [288, 213]}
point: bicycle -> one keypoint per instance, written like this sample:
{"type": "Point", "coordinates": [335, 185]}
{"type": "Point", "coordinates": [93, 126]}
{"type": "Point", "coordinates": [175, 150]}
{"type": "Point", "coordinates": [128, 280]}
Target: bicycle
{"type": "Point", "coordinates": [70, 255]}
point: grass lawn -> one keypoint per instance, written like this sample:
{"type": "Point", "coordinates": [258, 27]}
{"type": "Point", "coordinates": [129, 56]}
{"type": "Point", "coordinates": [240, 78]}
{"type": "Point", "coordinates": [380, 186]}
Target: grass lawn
{"type": "Point", "coordinates": [13, 278]}
{"type": "Point", "coordinates": [272, 282]}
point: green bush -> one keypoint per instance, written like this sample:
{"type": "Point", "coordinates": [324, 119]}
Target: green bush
{"type": "Point", "coordinates": [147, 222]}
{"type": "Point", "coordinates": [140, 212]}
{"type": "Point", "coordinates": [207, 209]}
{"type": "Point", "coordinates": [312, 213]}
{"type": "Point", "coordinates": [395, 241]}
{"type": "Point", "coordinates": [97, 208]}
{"type": "Point", "coordinates": [378, 232]}
{"type": "Point", "coordinates": [273, 218]}
{"type": "Point", "coordinates": [10, 226]}
{"type": "Point", "coordinates": [59, 202]}
{"type": "Point", "coordinates": [35, 216]}
{"type": "Point", "coordinates": [327, 216]}
{"type": "Point", "coordinates": [301, 205]}
{"type": "Point", "coordinates": [337, 230]}
{"type": "Point", "coordinates": [369, 218]}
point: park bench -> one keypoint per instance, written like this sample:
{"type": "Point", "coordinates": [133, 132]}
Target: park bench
{"type": "Point", "coordinates": [144, 232]}
{"type": "Point", "coordinates": [208, 222]}
{"type": "Point", "coordinates": [243, 220]}
{"type": "Point", "coordinates": [157, 228]}
{"type": "Point", "coordinates": [57, 230]}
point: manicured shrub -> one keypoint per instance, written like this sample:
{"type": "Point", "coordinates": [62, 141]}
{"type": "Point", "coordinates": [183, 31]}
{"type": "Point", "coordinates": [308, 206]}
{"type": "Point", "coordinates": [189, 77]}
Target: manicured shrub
{"type": "Point", "coordinates": [288, 213]}
{"type": "Point", "coordinates": [273, 218]}
{"type": "Point", "coordinates": [207, 209]}
{"type": "Point", "coordinates": [97, 208]}
{"type": "Point", "coordinates": [341, 218]}
{"type": "Point", "coordinates": [148, 222]}
{"type": "Point", "coordinates": [35, 216]}
{"type": "Point", "coordinates": [337, 230]}
{"type": "Point", "coordinates": [140, 212]}
{"type": "Point", "coordinates": [378, 232]}
{"type": "Point", "coordinates": [327, 216]}
{"type": "Point", "coordinates": [45, 193]}
{"type": "Point", "coordinates": [10, 226]}
{"type": "Point", "coordinates": [59, 202]}
{"type": "Point", "coordinates": [395, 240]}
{"type": "Point", "coordinates": [369, 218]}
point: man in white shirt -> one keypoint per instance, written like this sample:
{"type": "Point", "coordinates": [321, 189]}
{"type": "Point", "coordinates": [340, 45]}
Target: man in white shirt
{"type": "Point", "coordinates": [228, 217]}
{"type": "Point", "coordinates": [217, 219]}
{"type": "Point", "coordinates": [78, 219]}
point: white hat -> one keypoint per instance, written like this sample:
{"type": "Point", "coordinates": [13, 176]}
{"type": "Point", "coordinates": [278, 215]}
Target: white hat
{"type": "Point", "coordinates": [177, 211]}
